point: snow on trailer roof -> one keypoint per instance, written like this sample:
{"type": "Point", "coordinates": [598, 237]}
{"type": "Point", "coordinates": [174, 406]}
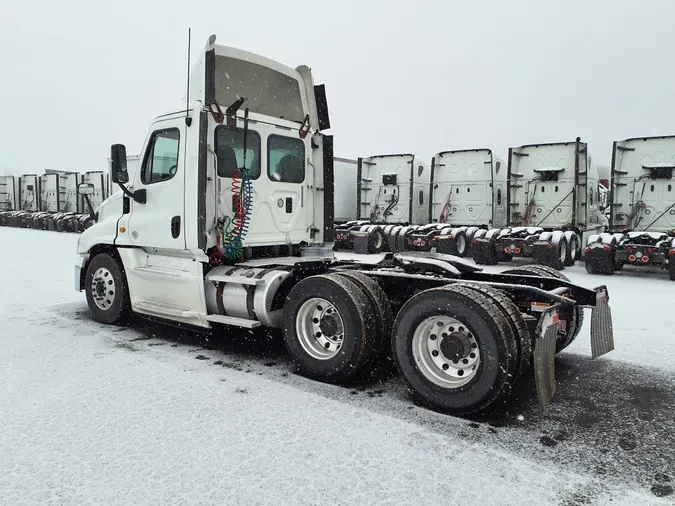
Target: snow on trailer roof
{"type": "Point", "coordinates": [549, 169]}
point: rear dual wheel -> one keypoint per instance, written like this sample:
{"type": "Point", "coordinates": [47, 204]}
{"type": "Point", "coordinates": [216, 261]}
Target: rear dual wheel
{"type": "Point", "coordinates": [460, 347]}
{"type": "Point", "coordinates": [331, 326]}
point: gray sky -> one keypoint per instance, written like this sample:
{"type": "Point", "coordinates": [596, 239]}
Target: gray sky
{"type": "Point", "coordinates": [401, 76]}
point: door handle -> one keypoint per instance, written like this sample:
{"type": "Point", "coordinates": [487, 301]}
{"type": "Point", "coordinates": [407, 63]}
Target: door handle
{"type": "Point", "coordinates": [175, 226]}
{"type": "Point", "coordinates": [289, 205]}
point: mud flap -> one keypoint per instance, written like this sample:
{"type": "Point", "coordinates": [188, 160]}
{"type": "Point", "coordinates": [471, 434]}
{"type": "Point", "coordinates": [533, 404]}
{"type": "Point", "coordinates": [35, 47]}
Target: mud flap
{"type": "Point", "coordinates": [544, 355]}
{"type": "Point", "coordinates": [361, 240]}
{"type": "Point", "coordinates": [602, 331]}
{"type": "Point", "coordinates": [543, 253]}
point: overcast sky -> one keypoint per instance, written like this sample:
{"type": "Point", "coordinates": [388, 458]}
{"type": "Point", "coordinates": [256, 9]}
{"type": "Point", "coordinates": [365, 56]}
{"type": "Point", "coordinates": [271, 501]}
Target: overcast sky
{"type": "Point", "coordinates": [401, 76]}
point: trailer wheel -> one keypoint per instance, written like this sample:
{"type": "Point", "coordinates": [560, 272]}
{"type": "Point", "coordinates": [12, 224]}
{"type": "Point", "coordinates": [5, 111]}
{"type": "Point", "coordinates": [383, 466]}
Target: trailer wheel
{"type": "Point", "coordinates": [328, 328]}
{"type": "Point", "coordinates": [455, 349]}
{"type": "Point", "coordinates": [573, 326]}
{"type": "Point", "coordinates": [106, 290]}
{"type": "Point", "coordinates": [384, 318]}
{"type": "Point", "coordinates": [461, 244]}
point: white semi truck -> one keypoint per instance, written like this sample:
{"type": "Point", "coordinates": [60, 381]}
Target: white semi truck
{"type": "Point", "coordinates": [468, 197]}
{"type": "Point", "coordinates": [554, 206]}
{"type": "Point", "coordinates": [392, 197]}
{"type": "Point", "coordinates": [642, 208]}
{"type": "Point", "coordinates": [228, 223]}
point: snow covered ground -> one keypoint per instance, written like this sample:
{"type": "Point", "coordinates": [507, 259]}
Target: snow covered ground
{"type": "Point", "coordinates": [154, 415]}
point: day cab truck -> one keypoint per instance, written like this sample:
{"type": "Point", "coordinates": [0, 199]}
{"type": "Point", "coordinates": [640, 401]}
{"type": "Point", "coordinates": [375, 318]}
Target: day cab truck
{"type": "Point", "coordinates": [228, 223]}
{"type": "Point", "coordinates": [554, 205]}
{"type": "Point", "coordinates": [642, 208]}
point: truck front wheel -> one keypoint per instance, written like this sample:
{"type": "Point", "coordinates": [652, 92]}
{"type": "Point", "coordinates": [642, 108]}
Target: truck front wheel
{"type": "Point", "coordinates": [106, 290]}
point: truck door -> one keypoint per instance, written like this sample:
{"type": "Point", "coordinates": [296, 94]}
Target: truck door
{"type": "Point", "coordinates": [159, 222]}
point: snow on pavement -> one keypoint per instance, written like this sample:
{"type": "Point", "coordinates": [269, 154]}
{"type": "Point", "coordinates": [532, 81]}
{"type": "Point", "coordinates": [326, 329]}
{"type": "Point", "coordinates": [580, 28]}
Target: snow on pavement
{"type": "Point", "coordinates": [103, 415]}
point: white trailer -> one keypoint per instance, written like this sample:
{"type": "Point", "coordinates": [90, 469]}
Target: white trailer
{"type": "Point", "coordinates": [642, 208]}
{"type": "Point", "coordinates": [230, 232]}
{"type": "Point", "coordinates": [554, 205]}
{"type": "Point", "coordinates": [344, 174]}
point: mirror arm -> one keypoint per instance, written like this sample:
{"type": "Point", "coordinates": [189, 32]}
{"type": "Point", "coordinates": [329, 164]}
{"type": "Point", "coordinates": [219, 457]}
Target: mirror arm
{"type": "Point", "coordinates": [92, 215]}
{"type": "Point", "coordinates": [137, 196]}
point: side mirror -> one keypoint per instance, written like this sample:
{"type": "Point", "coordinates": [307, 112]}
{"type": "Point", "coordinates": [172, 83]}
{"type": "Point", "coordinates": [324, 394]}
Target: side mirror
{"type": "Point", "coordinates": [85, 189]}
{"type": "Point", "coordinates": [118, 165]}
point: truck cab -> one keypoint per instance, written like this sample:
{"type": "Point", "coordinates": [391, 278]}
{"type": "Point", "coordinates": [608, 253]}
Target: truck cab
{"type": "Point", "coordinates": [641, 209]}
{"type": "Point", "coordinates": [236, 173]}
{"type": "Point", "coordinates": [469, 188]}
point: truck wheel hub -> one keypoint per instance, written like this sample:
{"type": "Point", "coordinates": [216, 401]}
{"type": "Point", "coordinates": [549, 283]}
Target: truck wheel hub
{"type": "Point", "coordinates": [455, 346]}
{"type": "Point", "coordinates": [319, 328]}
{"type": "Point", "coordinates": [446, 351]}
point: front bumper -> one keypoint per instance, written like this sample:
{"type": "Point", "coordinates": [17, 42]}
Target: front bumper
{"type": "Point", "coordinates": [80, 262]}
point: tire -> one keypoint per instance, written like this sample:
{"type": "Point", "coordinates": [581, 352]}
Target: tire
{"type": "Point", "coordinates": [618, 265]}
{"type": "Point", "coordinates": [559, 259]}
{"type": "Point", "coordinates": [325, 295]}
{"type": "Point", "coordinates": [376, 240]}
{"type": "Point", "coordinates": [461, 243]}
{"type": "Point", "coordinates": [671, 266]}
{"type": "Point", "coordinates": [477, 322]}
{"type": "Point", "coordinates": [101, 270]}
{"type": "Point", "coordinates": [518, 326]}
{"type": "Point", "coordinates": [574, 326]}
{"type": "Point", "coordinates": [572, 249]}
{"type": "Point", "coordinates": [379, 300]}
{"type": "Point", "coordinates": [59, 225]}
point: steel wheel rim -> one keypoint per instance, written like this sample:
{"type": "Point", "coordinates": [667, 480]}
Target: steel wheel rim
{"type": "Point", "coordinates": [461, 244]}
{"type": "Point", "coordinates": [379, 239]}
{"type": "Point", "coordinates": [563, 255]}
{"type": "Point", "coordinates": [431, 355]}
{"type": "Point", "coordinates": [103, 288]}
{"type": "Point", "coordinates": [320, 328]}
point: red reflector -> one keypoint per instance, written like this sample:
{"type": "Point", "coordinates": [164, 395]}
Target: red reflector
{"type": "Point", "coordinates": [507, 250]}
{"type": "Point", "coordinates": [437, 238]}
{"type": "Point", "coordinates": [604, 246]}
{"type": "Point", "coordinates": [649, 250]}
{"type": "Point", "coordinates": [631, 258]}
{"type": "Point", "coordinates": [475, 241]}
{"type": "Point", "coordinates": [549, 245]}
{"type": "Point", "coordinates": [588, 249]}
{"type": "Point", "coordinates": [517, 251]}
{"type": "Point", "coordinates": [672, 251]}
{"type": "Point", "coordinates": [645, 259]}
{"type": "Point", "coordinates": [422, 243]}
{"type": "Point", "coordinates": [628, 248]}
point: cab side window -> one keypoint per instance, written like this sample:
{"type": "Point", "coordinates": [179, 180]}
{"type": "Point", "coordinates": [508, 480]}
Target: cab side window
{"type": "Point", "coordinates": [285, 159]}
{"type": "Point", "coordinates": [161, 158]}
{"type": "Point", "coordinates": [229, 144]}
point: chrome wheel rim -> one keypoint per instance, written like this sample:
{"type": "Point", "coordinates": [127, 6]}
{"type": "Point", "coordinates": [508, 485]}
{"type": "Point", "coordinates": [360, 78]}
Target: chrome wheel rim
{"type": "Point", "coordinates": [103, 288]}
{"type": "Point", "coordinates": [446, 351]}
{"type": "Point", "coordinates": [563, 255]}
{"type": "Point", "coordinates": [319, 328]}
{"type": "Point", "coordinates": [379, 239]}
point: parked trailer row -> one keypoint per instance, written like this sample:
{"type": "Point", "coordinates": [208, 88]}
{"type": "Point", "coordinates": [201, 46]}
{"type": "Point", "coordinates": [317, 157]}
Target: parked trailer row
{"type": "Point", "coordinates": [544, 202]}
{"type": "Point", "coordinates": [50, 201]}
